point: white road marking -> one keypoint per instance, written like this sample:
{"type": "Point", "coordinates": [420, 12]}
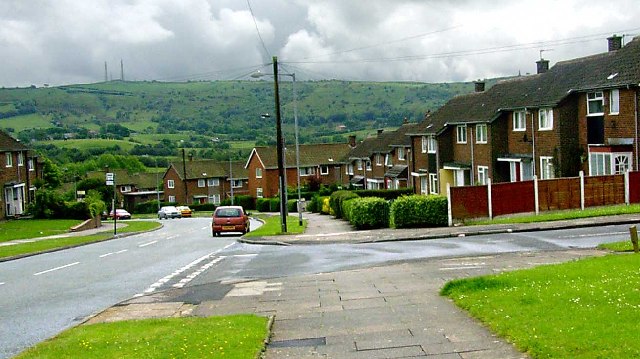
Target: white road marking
{"type": "Point", "coordinates": [192, 276]}
{"type": "Point", "coordinates": [56, 268]}
{"type": "Point", "coordinates": [147, 244]}
{"type": "Point", "coordinates": [245, 255]}
{"type": "Point", "coordinates": [112, 253]}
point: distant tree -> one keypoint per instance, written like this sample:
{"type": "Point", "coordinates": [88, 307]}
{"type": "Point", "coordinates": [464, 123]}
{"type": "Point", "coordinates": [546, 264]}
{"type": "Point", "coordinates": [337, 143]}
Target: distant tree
{"type": "Point", "coordinates": [51, 174]}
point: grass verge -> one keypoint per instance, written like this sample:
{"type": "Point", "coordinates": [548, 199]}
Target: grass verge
{"type": "Point", "coordinates": [271, 226]}
{"type": "Point", "coordinates": [561, 215]}
{"type": "Point", "coordinates": [238, 336]}
{"type": "Point", "coordinates": [34, 228]}
{"type": "Point", "coordinates": [55, 243]}
{"type": "Point", "coordinates": [582, 309]}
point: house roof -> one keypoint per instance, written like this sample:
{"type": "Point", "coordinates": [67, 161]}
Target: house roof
{"type": "Point", "coordinates": [383, 142]}
{"type": "Point", "coordinates": [8, 143]}
{"type": "Point", "coordinates": [199, 169]}
{"type": "Point", "coordinates": [612, 69]}
{"type": "Point", "coordinates": [139, 180]}
{"type": "Point", "coordinates": [310, 155]}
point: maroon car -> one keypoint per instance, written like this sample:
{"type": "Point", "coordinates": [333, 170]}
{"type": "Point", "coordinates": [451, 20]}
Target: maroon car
{"type": "Point", "coordinates": [229, 219]}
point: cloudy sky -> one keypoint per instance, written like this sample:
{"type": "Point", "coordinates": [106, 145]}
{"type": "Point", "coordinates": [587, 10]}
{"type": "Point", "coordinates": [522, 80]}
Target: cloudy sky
{"type": "Point", "coordinates": [68, 41]}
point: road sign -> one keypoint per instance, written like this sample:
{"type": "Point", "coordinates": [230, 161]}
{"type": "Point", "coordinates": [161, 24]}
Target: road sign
{"type": "Point", "coordinates": [110, 176]}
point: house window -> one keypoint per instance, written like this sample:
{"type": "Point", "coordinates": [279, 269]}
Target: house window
{"type": "Point", "coordinates": [481, 133]}
{"type": "Point", "coordinates": [546, 168]}
{"type": "Point", "coordinates": [201, 182]}
{"type": "Point", "coordinates": [423, 185]}
{"type": "Point", "coordinates": [9, 159]}
{"type": "Point", "coordinates": [461, 132]}
{"type": "Point", "coordinates": [307, 171]}
{"type": "Point", "coordinates": [387, 160]}
{"type": "Point", "coordinates": [400, 153]}
{"type": "Point", "coordinates": [213, 182]}
{"type": "Point", "coordinates": [483, 174]}
{"type": "Point", "coordinates": [214, 198]}
{"type": "Point", "coordinates": [545, 119]}
{"type": "Point", "coordinates": [258, 172]}
{"type": "Point", "coordinates": [614, 102]}
{"type": "Point", "coordinates": [519, 121]}
{"type": "Point", "coordinates": [349, 170]}
{"type": "Point", "coordinates": [30, 164]}
{"type": "Point", "coordinates": [424, 144]}
{"type": "Point", "coordinates": [324, 170]}
{"type": "Point", "coordinates": [171, 184]}
{"type": "Point", "coordinates": [595, 103]}
{"type": "Point", "coordinates": [378, 159]}
{"type": "Point", "coordinates": [359, 164]}
{"type": "Point", "coordinates": [621, 163]}
{"type": "Point", "coordinates": [368, 165]}
{"type": "Point", "coordinates": [259, 192]}
{"type": "Point", "coordinates": [124, 189]}
{"type": "Point", "coordinates": [433, 183]}
{"type": "Point", "coordinates": [601, 163]}
{"type": "Point", "coordinates": [172, 199]}
{"type": "Point", "coordinates": [20, 159]}
{"type": "Point", "coordinates": [236, 183]}
{"type": "Point", "coordinates": [431, 144]}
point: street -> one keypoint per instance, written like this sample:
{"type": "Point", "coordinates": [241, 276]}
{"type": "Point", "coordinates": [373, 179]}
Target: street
{"type": "Point", "coordinates": [45, 294]}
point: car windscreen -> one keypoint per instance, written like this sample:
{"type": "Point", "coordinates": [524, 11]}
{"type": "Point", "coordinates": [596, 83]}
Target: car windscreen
{"type": "Point", "coordinates": [228, 212]}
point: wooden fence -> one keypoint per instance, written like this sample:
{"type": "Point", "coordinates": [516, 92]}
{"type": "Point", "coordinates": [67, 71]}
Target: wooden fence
{"type": "Point", "coordinates": [542, 195]}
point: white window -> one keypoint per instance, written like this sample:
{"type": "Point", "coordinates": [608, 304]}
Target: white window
{"type": "Point", "coordinates": [378, 159]}
{"type": "Point", "coordinates": [324, 170]}
{"type": "Point", "coordinates": [546, 168]}
{"type": "Point", "coordinates": [614, 102]}
{"type": "Point", "coordinates": [433, 183]}
{"type": "Point", "coordinates": [30, 164]}
{"type": "Point", "coordinates": [349, 169]}
{"type": "Point", "coordinates": [367, 165]}
{"type": "Point", "coordinates": [213, 182]}
{"type": "Point", "coordinates": [483, 174]}
{"type": "Point", "coordinates": [604, 163]}
{"type": "Point", "coordinates": [171, 184]}
{"type": "Point", "coordinates": [307, 171]}
{"type": "Point", "coordinates": [9, 159]}
{"type": "Point", "coordinates": [461, 134]}
{"type": "Point", "coordinates": [400, 153]}
{"type": "Point", "coordinates": [519, 121]}
{"type": "Point", "coordinates": [20, 159]}
{"type": "Point", "coordinates": [423, 185]}
{"type": "Point", "coordinates": [424, 144]}
{"type": "Point", "coordinates": [236, 183]}
{"type": "Point", "coordinates": [481, 133]}
{"type": "Point", "coordinates": [595, 103]}
{"type": "Point", "coordinates": [201, 182]}
{"type": "Point", "coordinates": [431, 144]}
{"type": "Point", "coordinates": [259, 192]}
{"type": "Point", "coordinates": [387, 160]}
{"type": "Point", "coordinates": [359, 164]}
{"type": "Point", "coordinates": [545, 119]}
{"type": "Point", "coordinates": [258, 172]}
{"type": "Point", "coordinates": [621, 163]}
{"type": "Point", "coordinates": [172, 199]}
{"type": "Point", "coordinates": [124, 189]}
{"type": "Point", "coordinates": [214, 198]}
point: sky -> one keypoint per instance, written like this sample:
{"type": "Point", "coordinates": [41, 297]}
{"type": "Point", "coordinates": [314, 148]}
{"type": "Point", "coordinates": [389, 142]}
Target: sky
{"type": "Point", "coordinates": [58, 42]}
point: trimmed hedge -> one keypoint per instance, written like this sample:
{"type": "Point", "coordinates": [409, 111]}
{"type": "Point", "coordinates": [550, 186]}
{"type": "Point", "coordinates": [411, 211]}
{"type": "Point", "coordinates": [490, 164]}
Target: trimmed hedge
{"type": "Point", "coordinates": [268, 204]}
{"type": "Point", "coordinates": [292, 205]}
{"type": "Point", "coordinates": [247, 202]}
{"type": "Point", "coordinates": [369, 213]}
{"type": "Point", "coordinates": [203, 207]}
{"type": "Point", "coordinates": [146, 207]}
{"type": "Point", "coordinates": [315, 204]}
{"type": "Point", "coordinates": [347, 207]}
{"type": "Point", "coordinates": [419, 211]}
{"type": "Point", "coordinates": [388, 194]}
{"type": "Point", "coordinates": [336, 199]}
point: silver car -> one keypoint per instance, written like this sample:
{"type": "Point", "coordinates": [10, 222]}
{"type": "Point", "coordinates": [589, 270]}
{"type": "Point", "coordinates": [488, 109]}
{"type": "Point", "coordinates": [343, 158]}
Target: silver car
{"type": "Point", "coordinates": [169, 212]}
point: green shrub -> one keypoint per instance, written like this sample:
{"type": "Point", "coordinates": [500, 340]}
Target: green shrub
{"type": "Point", "coordinates": [419, 211]}
{"type": "Point", "coordinates": [146, 207]}
{"type": "Point", "coordinates": [347, 206]}
{"type": "Point", "coordinates": [335, 201]}
{"type": "Point", "coordinates": [292, 205]}
{"type": "Point", "coordinates": [388, 194]}
{"type": "Point", "coordinates": [263, 204]}
{"type": "Point", "coordinates": [369, 213]}
{"type": "Point", "coordinates": [314, 205]}
{"type": "Point", "coordinates": [326, 208]}
{"type": "Point", "coordinates": [246, 202]}
{"type": "Point", "coordinates": [203, 207]}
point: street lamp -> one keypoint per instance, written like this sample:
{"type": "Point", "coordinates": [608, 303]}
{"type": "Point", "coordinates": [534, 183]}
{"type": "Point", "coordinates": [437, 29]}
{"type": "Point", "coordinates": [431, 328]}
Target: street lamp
{"type": "Point", "coordinates": [259, 74]}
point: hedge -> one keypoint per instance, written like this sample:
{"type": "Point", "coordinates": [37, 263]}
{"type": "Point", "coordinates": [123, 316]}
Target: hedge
{"type": "Point", "coordinates": [369, 213]}
{"type": "Point", "coordinates": [203, 207]}
{"type": "Point", "coordinates": [335, 201]}
{"type": "Point", "coordinates": [247, 202]}
{"type": "Point", "coordinates": [315, 204]}
{"type": "Point", "coordinates": [292, 205]}
{"type": "Point", "coordinates": [419, 211]}
{"type": "Point", "coordinates": [268, 204]}
{"type": "Point", "coordinates": [388, 194]}
{"type": "Point", "coordinates": [347, 206]}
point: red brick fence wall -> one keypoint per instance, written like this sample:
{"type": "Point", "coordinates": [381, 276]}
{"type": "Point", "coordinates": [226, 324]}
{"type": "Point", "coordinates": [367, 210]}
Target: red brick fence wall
{"type": "Point", "coordinates": [542, 195]}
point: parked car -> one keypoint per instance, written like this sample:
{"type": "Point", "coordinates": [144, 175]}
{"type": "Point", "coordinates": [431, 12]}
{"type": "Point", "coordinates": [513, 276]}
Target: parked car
{"type": "Point", "coordinates": [120, 214]}
{"type": "Point", "coordinates": [229, 219]}
{"type": "Point", "coordinates": [185, 211]}
{"type": "Point", "coordinates": [169, 212]}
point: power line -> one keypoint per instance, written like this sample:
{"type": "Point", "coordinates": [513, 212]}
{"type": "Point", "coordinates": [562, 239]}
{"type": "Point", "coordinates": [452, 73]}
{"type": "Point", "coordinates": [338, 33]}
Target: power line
{"type": "Point", "coordinates": [258, 30]}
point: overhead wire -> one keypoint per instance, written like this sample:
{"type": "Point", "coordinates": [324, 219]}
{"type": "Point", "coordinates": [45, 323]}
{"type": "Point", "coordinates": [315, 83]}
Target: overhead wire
{"type": "Point", "coordinates": [264, 47]}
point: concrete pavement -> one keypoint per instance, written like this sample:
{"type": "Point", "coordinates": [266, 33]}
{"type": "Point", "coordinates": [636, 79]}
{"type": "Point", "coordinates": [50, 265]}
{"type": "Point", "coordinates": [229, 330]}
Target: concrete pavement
{"type": "Point", "coordinates": [389, 311]}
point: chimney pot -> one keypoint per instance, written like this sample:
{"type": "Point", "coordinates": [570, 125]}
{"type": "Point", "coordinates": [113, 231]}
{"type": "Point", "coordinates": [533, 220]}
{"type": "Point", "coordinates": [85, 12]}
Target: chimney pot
{"type": "Point", "coordinates": [479, 86]}
{"type": "Point", "coordinates": [615, 42]}
{"type": "Point", "coordinates": [543, 66]}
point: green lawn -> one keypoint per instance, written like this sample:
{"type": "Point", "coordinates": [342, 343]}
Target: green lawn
{"type": "Point", "coordinates": [55, 243]}
{"type": "Point", "coordinates": [34, 228]}
{"type": "Point", "coordinates": [583, 309]}
{"type": "Point", "coordinates": [272, 227]}
{"type": "Point", "coordinates": [238, 336]}
{"type": "Point", "coordinates": [561, 215]}
{"type": "Point", "coordinates": [24, 122]}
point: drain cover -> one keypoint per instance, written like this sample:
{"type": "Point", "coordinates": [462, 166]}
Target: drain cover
{"type": "Point", "coordinates": [293, 343]}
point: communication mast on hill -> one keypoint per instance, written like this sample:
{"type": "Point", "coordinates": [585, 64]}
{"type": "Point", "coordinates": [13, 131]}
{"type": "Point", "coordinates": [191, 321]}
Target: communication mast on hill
{"type": "Point", "coordinates": [121, 70]}
{"type": "Point", "coordinates": [106, 76]}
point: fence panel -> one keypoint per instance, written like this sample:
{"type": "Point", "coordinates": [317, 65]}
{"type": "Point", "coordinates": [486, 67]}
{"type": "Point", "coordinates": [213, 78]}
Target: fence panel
{"type": "Point", "coordinates": [634, 187]}
{"type": "Point", "coordinates": [559, 193]}
{"type": "Point", "coordinates": [516, 197]}
{"type": "Point", "coordinates": [603, 190]}
{"type": "Point", "coordinates": [469, 202]}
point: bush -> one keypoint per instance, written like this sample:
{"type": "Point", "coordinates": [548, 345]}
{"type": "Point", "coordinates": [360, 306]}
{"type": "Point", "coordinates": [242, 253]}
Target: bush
{"type": "Point", "coordinates": [49, 204]}
{"type": "Point", "coordinates": [315, 204]}
{"type": "Point", "coordinates": [268, 204]}
{"type": "Point", "coordinates": [369, 213]}
{"type": "Point", "coordinates": [336, 199]}
{"type": "Point", "coordinates": [326, 209]}
{"type": "Point", "coordinates": [146, 207]}
{"type": "Point", "coordinates": [292, 205]}
{"type": "Point", "coordinates": [203, 207]}
{"type": "Point", "coordinates": [347, 206]}
{"type": "Point", "coordinates": [419, 211]}
{"type": "Point", "coordinates": [246, 202]}
{"type": "Point", "coordinates": [388, 194]}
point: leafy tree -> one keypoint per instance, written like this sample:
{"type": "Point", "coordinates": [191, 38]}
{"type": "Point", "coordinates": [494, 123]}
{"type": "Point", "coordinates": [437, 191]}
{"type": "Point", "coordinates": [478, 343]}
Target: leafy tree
{"type": "Point", "coordinates": [51, 174]}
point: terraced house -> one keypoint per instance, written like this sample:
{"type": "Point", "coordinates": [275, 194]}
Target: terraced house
{"type": "Point", "coordinates": [579, 115]}
{"type": "Point", "coordinates": [204, 181]}
{"type": "Point", "coordinates": [133, 188]}
{"type": "Point", "coordinates": [18, 172]}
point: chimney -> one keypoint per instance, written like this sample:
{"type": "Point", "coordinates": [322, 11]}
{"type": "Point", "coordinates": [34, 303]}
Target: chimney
{"type": "Point", "coordinates": [479, 85]}
{"type": "Point", "coordinates": [543, 66]}
{"type": "Point", "coordinates": [380, 131]}
{"type": "Point", "coordinates": [615, 42]}
{"type": "Point", "coordinates": [352, 141]}
{"type": "Point", "coordinates": [405, 121]}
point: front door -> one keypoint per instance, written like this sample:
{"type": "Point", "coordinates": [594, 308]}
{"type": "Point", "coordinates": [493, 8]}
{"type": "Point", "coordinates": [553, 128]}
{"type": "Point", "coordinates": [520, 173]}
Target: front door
{"type": "Point", "coordinates": [14, 199]}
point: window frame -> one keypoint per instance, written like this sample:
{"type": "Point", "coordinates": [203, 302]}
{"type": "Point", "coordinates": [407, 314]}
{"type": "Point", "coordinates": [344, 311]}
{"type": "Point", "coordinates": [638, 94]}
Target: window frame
{"type": "Point", "coordinates": [172, 199]}
{"type": "Point", "coordinates": [483, 175]}
{"type": "Point", "coordinates": [234, 183]}
{"type": "Point", "coordinates": [614, 102]}
{"type": "Point", "coordinates": [549, 172]}
{"type": "Point", "coordinates": [401, 156]}
{"type": "Point", "coordinates": [433, 183]}
{"type": "Point", "coordinates": [548, 117]}
{"type": "Point", "coordinates": [461, 134]}
{"type": "Point", "coordinates": [367, 166]}
{"type": "Point", "coordinates": [324, 170]}
{"type": "Point", "coordinates": [258, 172]}
{"type": "Point", "coordinates": [213, 182]}
{"type": "Point", "coordinates": [432, 144]}
{"type": "Point", "coordinates": [598, 96]}
{"type": "Point", "coordinates": [387, 160]}
{"type": "Point", "coordinates": [424, 144]}
{"type": "Point", "coordinates": [259, 192]}
{"type": "Point", "coordinates": [519, 121]}
{"type": "Point", "coordinates": [30, 165]}
{"type": "Point", "coordinates": [201, 182]}
{"type": "Point", "coordinates": [171, 183]}
{"type": "Point", "coordinates": [349, 169]}
{"type": "Point", "coordinates": [9, 159]}
{"type": "Point", "coordinates": [378, 159]}
{"type": "Point", "coordinates": [482, 133]}
{"type": "Point", "coordinates": [20, 159]}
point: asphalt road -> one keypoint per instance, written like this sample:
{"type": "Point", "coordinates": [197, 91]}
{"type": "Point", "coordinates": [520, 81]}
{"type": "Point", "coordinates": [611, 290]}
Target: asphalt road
{"type": "Point", "coordinates": [45, 294]}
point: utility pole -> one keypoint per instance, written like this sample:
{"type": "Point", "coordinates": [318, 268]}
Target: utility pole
{"type": "Point", "coordinates": [184, 170]}
{"type": "Point", "coordinates": [279, 150]}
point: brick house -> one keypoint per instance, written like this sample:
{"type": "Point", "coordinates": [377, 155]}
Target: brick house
{"type": "Point", "coordinates": [204, 181]}
{"type": "Point", "coordinates": [322, 163]}
{"type": "Point", "coordinates": [578, 115]}
{"type": "Point", "coordinates": [382, 161]}
{"type": "Point", "coordinates": [133, 188]}
{"type": "Point", "coordinates": [19, 168]}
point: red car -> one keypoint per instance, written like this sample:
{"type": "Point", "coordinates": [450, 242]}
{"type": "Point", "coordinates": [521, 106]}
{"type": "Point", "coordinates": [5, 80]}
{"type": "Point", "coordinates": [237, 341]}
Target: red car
{"type": "Point", "coordinates": [120, 214]}
{"type": "Point", "coordinates": [229, 219]}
